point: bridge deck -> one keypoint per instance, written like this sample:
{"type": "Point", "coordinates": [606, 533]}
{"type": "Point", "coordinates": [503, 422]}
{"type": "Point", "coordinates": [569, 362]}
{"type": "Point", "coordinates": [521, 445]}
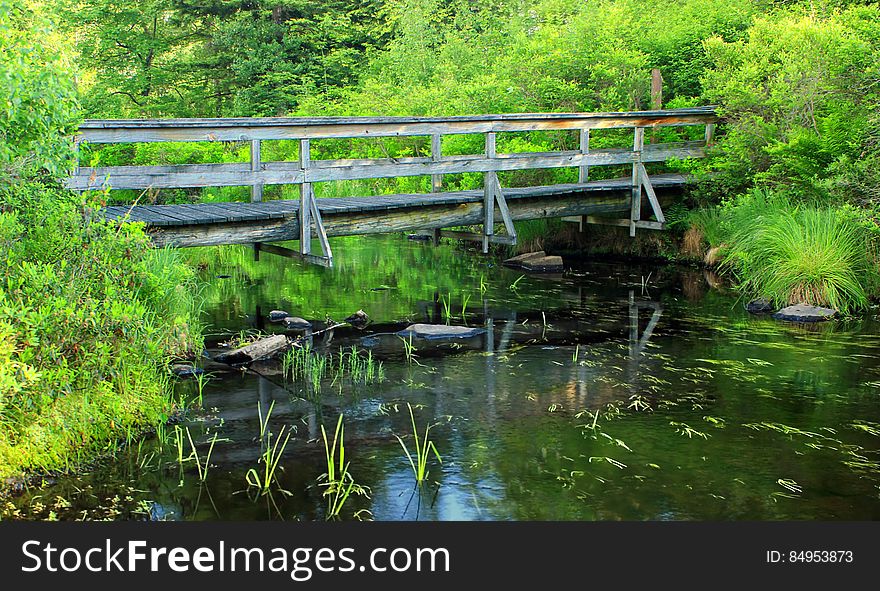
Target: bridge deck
{"type": "Point", "coordinates": [202, 214]}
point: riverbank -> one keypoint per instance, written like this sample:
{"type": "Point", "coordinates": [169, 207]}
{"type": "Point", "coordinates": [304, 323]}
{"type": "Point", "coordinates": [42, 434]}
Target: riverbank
{"type": "Point", "coordinates": [90, 315]}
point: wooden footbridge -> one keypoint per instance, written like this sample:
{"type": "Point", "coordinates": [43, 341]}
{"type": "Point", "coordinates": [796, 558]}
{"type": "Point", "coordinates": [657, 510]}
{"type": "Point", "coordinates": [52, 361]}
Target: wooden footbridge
{"type": "Point", "coordinates": [263, 222]}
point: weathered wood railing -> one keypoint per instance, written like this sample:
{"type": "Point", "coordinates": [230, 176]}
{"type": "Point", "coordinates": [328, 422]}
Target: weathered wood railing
{"type": "Point", "coordinates": [306, 171]}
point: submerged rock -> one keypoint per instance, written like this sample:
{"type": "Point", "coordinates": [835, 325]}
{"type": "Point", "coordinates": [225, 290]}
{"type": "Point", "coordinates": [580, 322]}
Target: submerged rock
{"type": "Point", "coordinates": [805, 313]}
{"type": "Point", "coordinates": [760, 306]}
{"type": "Point", "coordinates": [358, 319]}
{"type": "Point", "coordinates": [536, 262]}
{"type": "Point", "coordinates": [183, 370]}
{"type": "Point", "coordinates": [278, 315]}
{"type": "Point", "coordinates": [296, 323]}
{"type": "Point", "coordinates": [440, 331]}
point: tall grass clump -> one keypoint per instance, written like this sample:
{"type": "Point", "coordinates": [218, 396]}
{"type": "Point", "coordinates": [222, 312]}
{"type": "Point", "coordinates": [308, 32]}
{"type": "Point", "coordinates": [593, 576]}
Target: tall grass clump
{"type": "Point", "coordinates": [338, 482]}
{"type": "Point", "coordinates": [818, 255]}
{"type": "Point", "coordinates": [422, 449]}
{"type": "Point", "coordinates": [272, 448]}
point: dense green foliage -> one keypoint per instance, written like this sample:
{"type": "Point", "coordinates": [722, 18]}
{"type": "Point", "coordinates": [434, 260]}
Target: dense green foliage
{"type": "Point", "coordinates": [800, 98]}
{"type": "Point", "coordinates": [38, 108]}
{"type": "Point", "coordinates": [89, 313]}
{"type": "Point", "coordinates": [219, 58]}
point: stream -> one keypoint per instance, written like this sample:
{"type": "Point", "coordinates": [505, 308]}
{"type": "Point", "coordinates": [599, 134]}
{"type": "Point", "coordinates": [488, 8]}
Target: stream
{"type": "Point", "coordinates": [608, 392]}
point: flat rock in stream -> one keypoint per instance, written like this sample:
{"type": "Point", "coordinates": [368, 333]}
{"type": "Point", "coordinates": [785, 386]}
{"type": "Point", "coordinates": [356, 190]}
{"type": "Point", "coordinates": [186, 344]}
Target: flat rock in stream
{"type": "Point", "coordinates": [536, 262]}
{"type": "Point", "coordinates": [265, 347]}
{"type": "Point", "coordinates": [440, 331]}
{"type": "Point", "coordinates": [805, 313]}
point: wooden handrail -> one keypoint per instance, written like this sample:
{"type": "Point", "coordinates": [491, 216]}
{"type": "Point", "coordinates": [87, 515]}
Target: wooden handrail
{"type": "Point", "coordinates": [257, 173]}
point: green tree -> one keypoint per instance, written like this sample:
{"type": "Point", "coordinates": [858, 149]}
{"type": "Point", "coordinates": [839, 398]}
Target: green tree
{"type": "Point", "coordinates": [38, 108]}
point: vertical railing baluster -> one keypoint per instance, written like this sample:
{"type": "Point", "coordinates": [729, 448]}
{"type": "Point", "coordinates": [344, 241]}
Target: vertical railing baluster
{"type": "Point", "coordinates": [257, 186]}
{"type": "Point", "coordinates": [710, 134]}
{"type": "Point", "coordinates": [584, 170]}
{"type": "Point", "coordinates": [436, 179]}
{"type": "Point", "coordinates": [436, 154]}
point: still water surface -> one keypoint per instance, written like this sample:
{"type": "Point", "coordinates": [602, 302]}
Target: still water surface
{"type": "Point", "coordinates": [608, 392]}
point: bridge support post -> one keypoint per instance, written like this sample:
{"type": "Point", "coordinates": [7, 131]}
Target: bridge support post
{"type": "Point", "coordinates": [308, 210]}
{"type": "Point", "coordinates": [584, 171]}
{"type": "Point", "coordinates": [636, 193]}
{"type": "Point", "coordinates": [490, 180]}
{"type": "Point", "coordinates": [257, 186]}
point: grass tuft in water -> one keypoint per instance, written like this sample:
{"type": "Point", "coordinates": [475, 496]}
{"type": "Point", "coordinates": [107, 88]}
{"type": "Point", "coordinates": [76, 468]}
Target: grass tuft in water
{"type": "Point", "coordinates": [262, 477]}
{"type": "Point", "coordinates": [337, 481]}
{"type": "Point", "coordinates": [423, 448]}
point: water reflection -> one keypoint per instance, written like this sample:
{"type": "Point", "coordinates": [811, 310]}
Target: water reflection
{"type": "Point", "coordinates": [608, 393]}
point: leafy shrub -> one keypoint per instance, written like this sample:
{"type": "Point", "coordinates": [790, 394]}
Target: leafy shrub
{"type": "Point", "coordinates": [39, 108]}
{"type": "Point", "coordinates": [89, 316]}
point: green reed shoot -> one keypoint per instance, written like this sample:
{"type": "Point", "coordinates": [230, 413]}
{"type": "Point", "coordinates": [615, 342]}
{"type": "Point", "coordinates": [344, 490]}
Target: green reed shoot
{"type": "Point", "coordinates": [574, 356]}
{"type": "Point", "coordinates": [262, 479]}
{"type": "Point", "coordinates": [418, 461]}
{"type": "Point", "coordinates": [201, 380]}
{"type": "Point", "coordinates": [408, 348]}
{"type": "Point", "coordinates": [304, 365]}
{"type": "Point", "coordinates": [465, 298]}
{"type": "Point", "coordinates": [178, 441]}
{"type": "Point", "coordinates": [339, 482]}
{"type": "Point", "coordinates": [203, 470]}
{"type": "Point", "coordinates": [447, 307]}
{"type": "Point", "coordinates": [484, 285]}
{"type": "Point", "coordinates": [515, 285]}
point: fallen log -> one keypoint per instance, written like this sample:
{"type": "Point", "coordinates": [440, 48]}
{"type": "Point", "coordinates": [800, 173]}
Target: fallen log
{"type": "Point", "coordinates": [265, 347]}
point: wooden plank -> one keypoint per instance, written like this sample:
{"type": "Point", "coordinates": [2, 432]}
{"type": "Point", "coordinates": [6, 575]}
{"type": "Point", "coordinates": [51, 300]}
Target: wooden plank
{"type": "Point", "coordinates": [442, 215]}
{"type": "Point", "coordinates": [160, 216]}
{"type": "Point", "coordinates": [183, 179]}
{"type": "Point", "coordinates": [286, 121]}
{"type": "Point", "coordinates": [636, 199]}
{"type": "Point", "coordinates": [284, 208]}
{"type": "Point", "coordinates": [505, 211]}
{"type": "Point", "coordinates": [273, 173]}
{"type": "Point", "coordinates": [489, 180]}
{"type": "Point", "coordinates": [171, 130]}
{"type": "Point", "coordinates": [322, 234]}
